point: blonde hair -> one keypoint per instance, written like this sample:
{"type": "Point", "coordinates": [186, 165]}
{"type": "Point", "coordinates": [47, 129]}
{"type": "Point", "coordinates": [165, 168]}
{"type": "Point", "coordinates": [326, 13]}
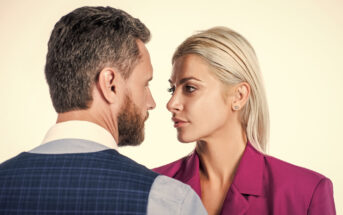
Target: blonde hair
{"type": "Point", "coordinates": [234, 61]}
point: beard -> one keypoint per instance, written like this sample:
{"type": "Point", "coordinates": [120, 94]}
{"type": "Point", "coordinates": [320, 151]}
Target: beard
{"type": "Point", "coordinates": [130, 124]}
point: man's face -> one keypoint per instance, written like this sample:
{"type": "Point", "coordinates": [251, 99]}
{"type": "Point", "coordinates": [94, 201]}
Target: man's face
{"type": "Point", "coordinates": [138, 101]}
{"type": "Point", "coordinates": [130, 124]}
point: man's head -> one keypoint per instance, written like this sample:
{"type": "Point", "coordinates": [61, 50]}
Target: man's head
{"type": "Point", "coordinates": [96, 58]}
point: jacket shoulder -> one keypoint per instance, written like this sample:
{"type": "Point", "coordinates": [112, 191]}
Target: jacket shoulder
{"type": "Point", "coordinates": [300, 184]}
{"type": "Point", "coordinates": [172, 168]}
{"type": "Point", "coordinates": [292, 180]}
{"type": "Point", "coordinates": [290, 172]}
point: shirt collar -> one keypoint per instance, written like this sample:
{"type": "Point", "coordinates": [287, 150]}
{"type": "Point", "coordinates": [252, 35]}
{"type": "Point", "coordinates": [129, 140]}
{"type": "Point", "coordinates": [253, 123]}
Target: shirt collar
{"type": "Point", "coordinates": [84, 130]}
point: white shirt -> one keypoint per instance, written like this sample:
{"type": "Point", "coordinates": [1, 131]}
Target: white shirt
{"type": "Point", "coordinates": [76, 129]}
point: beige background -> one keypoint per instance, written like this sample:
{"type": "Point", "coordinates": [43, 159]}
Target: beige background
{"type": "Point", "coordinates": [299, 45]}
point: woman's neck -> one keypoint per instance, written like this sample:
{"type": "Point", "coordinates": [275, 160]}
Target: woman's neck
{"type": "Point", "coordinates": [220, 156]}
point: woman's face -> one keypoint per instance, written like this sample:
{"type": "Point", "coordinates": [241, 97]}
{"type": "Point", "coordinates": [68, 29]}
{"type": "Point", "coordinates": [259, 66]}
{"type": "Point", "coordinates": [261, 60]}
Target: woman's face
{"type": "Point", "coordinates": [197, 104]}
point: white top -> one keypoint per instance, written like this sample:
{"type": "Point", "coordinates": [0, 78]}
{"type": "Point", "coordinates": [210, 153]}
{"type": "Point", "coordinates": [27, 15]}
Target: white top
{"type": "Point", "coordinates": [76, 129]}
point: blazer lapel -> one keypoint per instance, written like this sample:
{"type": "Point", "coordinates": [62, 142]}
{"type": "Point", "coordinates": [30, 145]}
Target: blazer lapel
{"type": "Point", "coordinates": [248, 180]}
{"type": "Point", "coordinates": [235, 203]}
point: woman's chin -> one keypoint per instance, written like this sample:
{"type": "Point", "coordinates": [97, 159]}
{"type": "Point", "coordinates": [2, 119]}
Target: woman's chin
{"type": "Point", "coordinates": [185, 139]}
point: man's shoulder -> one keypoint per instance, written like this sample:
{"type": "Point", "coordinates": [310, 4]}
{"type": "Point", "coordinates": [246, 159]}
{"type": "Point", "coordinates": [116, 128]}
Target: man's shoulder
{"type": "Point", "coordinates": [173, 197]}
{"type": "Point", "coordinates": [109, 162]}
{"type": "Point", "coordinates": [169, 188]}
{"type": "Point", "coordinates": [116, 158]}
{"type": "Point", "coordinates": [12, 161]}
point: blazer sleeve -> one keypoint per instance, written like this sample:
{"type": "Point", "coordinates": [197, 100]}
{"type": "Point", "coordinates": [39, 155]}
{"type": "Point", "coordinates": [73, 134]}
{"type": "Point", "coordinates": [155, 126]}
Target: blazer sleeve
{"type": "Point", "coordinates": [322, 199]}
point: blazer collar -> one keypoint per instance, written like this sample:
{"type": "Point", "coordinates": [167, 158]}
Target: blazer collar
{"type": "Point", "coordinates": [249, 174]}
{"type": "Point", "coordinates": [248, 179]}
{"type": "Point", "coordinates": [189, 173]}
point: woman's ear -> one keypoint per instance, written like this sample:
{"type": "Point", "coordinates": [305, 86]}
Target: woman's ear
{"type": "Point", "coordinates": [241, 96]}
{"type": "Point", "coordinates": [108, 81]}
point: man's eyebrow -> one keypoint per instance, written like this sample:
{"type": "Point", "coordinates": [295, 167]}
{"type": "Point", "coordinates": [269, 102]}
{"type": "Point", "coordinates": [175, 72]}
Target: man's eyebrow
{"type": "Point", "coordinates": [185, 80]}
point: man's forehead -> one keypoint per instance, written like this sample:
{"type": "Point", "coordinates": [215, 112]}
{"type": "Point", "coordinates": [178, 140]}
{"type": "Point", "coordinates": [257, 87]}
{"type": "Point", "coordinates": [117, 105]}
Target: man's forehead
{"type": "Point", "coordinates": [142, 48]}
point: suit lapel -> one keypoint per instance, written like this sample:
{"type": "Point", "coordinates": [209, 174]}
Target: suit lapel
{"type": "Point", "coordinates": [248, 180]}
{"type": "Point", "coordinates": [235, 203]}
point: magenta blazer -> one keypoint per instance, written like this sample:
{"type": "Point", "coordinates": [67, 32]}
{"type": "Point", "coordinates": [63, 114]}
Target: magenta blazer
{"type": "Point", "coordinates": [263, 185]}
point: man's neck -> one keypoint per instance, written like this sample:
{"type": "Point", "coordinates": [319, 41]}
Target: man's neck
{"type": "Point", "coordinates": [90, 116]}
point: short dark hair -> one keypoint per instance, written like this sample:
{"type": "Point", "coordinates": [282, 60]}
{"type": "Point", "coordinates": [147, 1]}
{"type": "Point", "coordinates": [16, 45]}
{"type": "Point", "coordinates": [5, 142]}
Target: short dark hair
{"type": "Point", "coordinates": [81, 44]}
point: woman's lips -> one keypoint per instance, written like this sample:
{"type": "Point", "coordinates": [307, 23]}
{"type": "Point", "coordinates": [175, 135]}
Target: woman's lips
{"type": "Point", "coordinates": [179, 122]}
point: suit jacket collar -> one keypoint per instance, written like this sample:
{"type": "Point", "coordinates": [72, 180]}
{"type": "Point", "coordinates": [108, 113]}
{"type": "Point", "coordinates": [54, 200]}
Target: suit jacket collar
{"type": "Point", "coordinates": [249, 174]}
{"type": "Point", "coordinates": [247, 181]}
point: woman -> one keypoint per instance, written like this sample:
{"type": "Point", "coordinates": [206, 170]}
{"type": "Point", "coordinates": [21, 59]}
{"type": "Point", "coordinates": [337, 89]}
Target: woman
{"type": "Point", "coordinates": [218, 100]}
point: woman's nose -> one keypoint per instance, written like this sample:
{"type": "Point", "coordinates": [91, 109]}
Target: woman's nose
{"type": "Point", "coordinates": [174, 105]}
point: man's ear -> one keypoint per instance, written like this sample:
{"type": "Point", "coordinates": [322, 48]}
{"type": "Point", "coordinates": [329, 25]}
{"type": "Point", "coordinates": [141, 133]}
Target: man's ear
{"type": "Point", "coordinates": [241, 96]}
{"type": "Point", "coordinates": [108, 82]}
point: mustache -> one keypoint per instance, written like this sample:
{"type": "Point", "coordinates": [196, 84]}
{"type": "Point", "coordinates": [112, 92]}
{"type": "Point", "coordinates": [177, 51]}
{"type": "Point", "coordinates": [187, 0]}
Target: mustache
{"type": "Point", "coordinates": [146, 117]}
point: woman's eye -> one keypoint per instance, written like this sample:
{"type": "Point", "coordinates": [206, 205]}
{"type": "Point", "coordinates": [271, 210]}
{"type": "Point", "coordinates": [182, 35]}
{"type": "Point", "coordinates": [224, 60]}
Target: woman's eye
{"type": "Point", "coordinates": [189, 89]}
{"type": "Point", "coordinates": [171, 90]}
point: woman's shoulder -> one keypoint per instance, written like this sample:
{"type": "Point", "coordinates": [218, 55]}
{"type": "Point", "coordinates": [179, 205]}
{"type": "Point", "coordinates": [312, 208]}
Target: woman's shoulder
{"type": "Point", "coordinates": [286, 180]}
{"type": "Point", "coordinates": [283, 170]}
{"type": "Point", "coordinates": [290, 178]}
{"type": "Point", "coordinates": [276, 176]}
{"type": "Point", "coordinates": [169, 169]}
{"type": "Point", "coordinates": [173, 168]}
{"type": "Point", "coordinates": [276, 170]}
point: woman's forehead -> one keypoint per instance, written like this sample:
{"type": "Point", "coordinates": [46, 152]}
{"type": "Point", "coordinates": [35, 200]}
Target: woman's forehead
{"type": "Point", "coordinates": [189, 66]}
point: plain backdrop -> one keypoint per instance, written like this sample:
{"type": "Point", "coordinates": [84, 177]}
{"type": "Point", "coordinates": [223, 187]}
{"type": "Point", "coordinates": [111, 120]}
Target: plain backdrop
{"type": "Point", "coordinates": [299, 45]}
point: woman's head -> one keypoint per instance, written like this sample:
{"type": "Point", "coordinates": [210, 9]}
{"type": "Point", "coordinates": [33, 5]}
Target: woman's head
{"type": "Point", "coordinates": [232, 68]}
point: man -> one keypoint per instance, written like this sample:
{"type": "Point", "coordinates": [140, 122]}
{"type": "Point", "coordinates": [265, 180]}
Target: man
{"type": "Point", "coordinates": [98, 70]}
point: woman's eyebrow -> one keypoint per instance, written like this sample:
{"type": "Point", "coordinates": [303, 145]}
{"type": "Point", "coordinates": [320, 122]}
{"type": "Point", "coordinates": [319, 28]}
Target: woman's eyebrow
{"type": "Point", "coordinates": [185, 79]}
